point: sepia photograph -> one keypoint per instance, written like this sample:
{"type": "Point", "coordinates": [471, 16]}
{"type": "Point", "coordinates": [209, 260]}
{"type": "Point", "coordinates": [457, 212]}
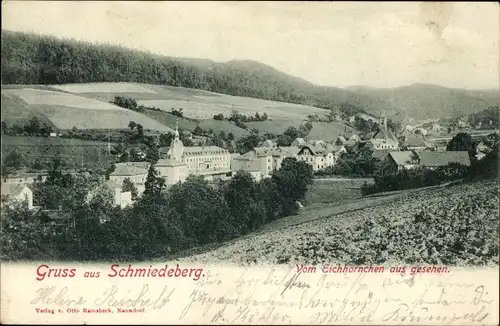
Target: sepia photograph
{"type": "Point", "coordinates": [156, 138]}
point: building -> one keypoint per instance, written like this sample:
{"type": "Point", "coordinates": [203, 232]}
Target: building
{"type": "Point", "coordinates": [15, 193]}
{"type": "Point", "coordinates": [318, 157]}
{"type": "Point", "coordinates": [397, 161]}
{"type": "Point", "coordinates": [415, 142]}
{"type": "Point", "coordinates": [135, 171]}
{"type": "Point", "coordinates": [121, 198]}
{"type": "Point", "coordinates": [383, 139]}
{"type": "Point", "coordinates": [199, 160]}
{"type": "Point", "coordinates": [269, 143]}
{"type": "Point", "coordinates": [436, 159]}
{"type": "Point", "coordinates": [298, 142]}
{"type": "Point", "coordinates": [26, 178]}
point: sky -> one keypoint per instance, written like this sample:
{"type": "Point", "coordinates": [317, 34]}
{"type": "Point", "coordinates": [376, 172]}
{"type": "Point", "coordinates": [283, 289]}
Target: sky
{"type": "Point", "coordinates": [377, 44]}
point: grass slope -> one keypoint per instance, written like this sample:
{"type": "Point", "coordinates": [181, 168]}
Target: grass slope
{"type": "Point", "coordinates": [65, 110]}
{"type": "Point", "coordinates": [72, 152]}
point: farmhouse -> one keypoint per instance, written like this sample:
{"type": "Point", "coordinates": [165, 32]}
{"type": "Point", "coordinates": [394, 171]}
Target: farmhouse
{"type": "Point", "coordinates": [16, 193]}
{"type": "Point", "coordinates": [415, 142]}
{"type": "Point", "coordinates": [397, 161]}
{"type": "Point", "coordinates": [436, 159]}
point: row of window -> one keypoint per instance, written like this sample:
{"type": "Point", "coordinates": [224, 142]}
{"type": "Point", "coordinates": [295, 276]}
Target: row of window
{"type": "Point", "coordinates": [206, 159]}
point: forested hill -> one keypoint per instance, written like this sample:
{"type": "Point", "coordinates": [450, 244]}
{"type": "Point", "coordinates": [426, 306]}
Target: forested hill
{"type": "Point", "coordinates": [33, 59]}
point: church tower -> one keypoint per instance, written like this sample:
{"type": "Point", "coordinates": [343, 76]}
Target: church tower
{"type": "Point", "coordinates": [176, 147]}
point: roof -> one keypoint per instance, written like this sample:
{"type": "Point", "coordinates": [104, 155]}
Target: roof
{"type": "Point", "coordinates": [169, 162]}
{"type": "Point", "coordinates": [164, 150]}
{"type": "Point", "coordinates": [413, 140]}
{"type": "Point", "coordinates": [12, 189]}
{"type": "Point", "coordinates": [196, 150]}
{"type": "Point", "coordinates": [292, 150]}
{"type": "Point", "coordinates": [268, 143]}
{"type": "Point", "coordinates": [383, 134]}
{"type": "Point", "coordinates": [381, 153]}
{"type": "Point", "coordinates": [301, 141]}
{"type": "Point", "coordinates": [266, 151]}
{"type": "Point", "coordinates": [401, 158]}
{"type": "Point", "coordinates": [131, 168]}
{"type": "Point", "coordinates": [444, 158]}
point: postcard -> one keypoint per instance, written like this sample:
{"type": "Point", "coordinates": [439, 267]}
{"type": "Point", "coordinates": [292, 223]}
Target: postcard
{"type": "Point", "coordinates": [302, 163]}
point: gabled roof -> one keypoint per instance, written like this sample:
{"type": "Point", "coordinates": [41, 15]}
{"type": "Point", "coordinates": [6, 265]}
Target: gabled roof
{"type": "Point", "coordinates": [383, 134]}
{"type": "Point", "coordinates": [130, 168]}
{"type": "Point", "coordinates": [434, 159]}
{"type": "Point", "coordinates": [381, 153]}
{"type": "Point", "coordinates": [402, 158]}
{"type": "Point", "coordinates": [413, 140]}
{"type": "Point", "coordinates": [268, 143]}
{"type": "Point", "coordinates": [300, 141]}
{"type": "Point", "coordinates": [164, 150]}
{"type": "Point", "coordinates": [291, 150]}
{"type": "Point", "coordinates": [12, 189]}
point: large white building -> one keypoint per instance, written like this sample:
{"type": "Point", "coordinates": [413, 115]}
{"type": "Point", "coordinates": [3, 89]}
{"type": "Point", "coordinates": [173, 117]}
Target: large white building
{"type": "Point", "coordinates": [199, 160]}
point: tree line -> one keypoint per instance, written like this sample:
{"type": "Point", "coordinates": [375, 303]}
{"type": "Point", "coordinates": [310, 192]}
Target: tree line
{"type": "Point", "coordinates": [162, 222]}
{"type": "Point", "coordinates": [34, 59]}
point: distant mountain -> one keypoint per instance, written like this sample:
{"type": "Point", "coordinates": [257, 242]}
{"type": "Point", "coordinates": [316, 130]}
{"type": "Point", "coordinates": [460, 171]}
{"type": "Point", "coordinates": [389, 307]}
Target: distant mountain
{"type": "Point", "coordinates": [430, 101]}
{"type": "Point", "coordinates": [33, 59]}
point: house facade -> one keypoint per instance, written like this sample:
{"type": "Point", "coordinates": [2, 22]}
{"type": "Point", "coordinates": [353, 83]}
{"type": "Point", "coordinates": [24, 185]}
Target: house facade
{"type": "Point", "coordinates": [135, 171]}
{"type": "Point", "coordinates": [14, 193]}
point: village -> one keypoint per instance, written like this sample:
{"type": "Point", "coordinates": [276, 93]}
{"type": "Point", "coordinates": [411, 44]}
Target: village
{"type": "Point", "coordinates": [415, 145]}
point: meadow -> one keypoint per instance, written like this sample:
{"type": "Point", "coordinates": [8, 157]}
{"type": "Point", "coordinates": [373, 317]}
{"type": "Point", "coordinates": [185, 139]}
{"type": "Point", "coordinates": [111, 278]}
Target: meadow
{"type": "Point", "coordinates": [196, 104]}
{"type": "Point", "coordinates": [74, 153]}
{"type": "Point", "coordinates": [65, 110]}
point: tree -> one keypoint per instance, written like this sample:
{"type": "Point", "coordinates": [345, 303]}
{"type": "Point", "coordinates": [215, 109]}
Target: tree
{"type": "Point", "coordinates": [284, 140]}
{"type": "Point", "coordinates": [222, 135]}
{"type": "Point", "coordinates": [176, 112]}
{"type": "Point", "coordinates": [198, 131]}
{"type": "Point", "coordinates": [140, 130]}
{"type": "Point", "coordinates": [128, 185]}
{"type": "Point", "coordinates": [154, 185]}
{"type": "Point", "coordinates": [240, 195]}
{"type": "Point", "coordinates": [37, 165]}
{"type": "Point", "coordinates": [246, 144]}
{"type": "Point", "coordinates": [230, 136]}
{"type": "Point", "coordinates": [219, 116]}
{"type": "Point", "coordinates": [132, 125]}
{"type": "Point", "coordinates": [463, 142]}
{"type": "Point", "coordinates": [292, 181]}
{"type": "Point", "coordinates": [291, 132]}
{"type": "Point", "coordinates": [13, 160]}
{"type": "Point", "coordinates": [110, 170]}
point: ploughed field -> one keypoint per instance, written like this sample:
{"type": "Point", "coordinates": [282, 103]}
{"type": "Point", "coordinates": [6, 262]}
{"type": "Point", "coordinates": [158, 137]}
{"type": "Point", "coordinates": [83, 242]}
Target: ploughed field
{"type": "Point", "coordinates": [456, 225]}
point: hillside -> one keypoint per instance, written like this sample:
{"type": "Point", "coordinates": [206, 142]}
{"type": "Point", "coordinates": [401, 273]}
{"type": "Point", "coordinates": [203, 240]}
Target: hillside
{"type": "Point", "coordinates": [31, 59]}
{"type": "Point", "coordinates": [65, 110]}
{"type": "Point", "coordinates": [426, 228]}
{"type": "Point", "coordinates": [73, 153]}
